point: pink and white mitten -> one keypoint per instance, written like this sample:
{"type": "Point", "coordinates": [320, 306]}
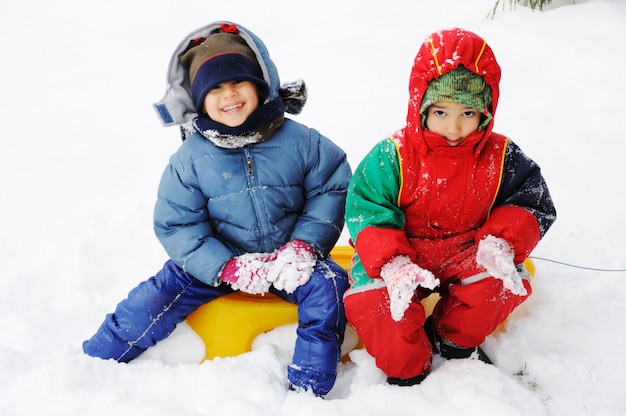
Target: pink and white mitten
{"type": "Point", "coordinates": [496, 255]}
{"type": "Point", "coordinates": [292, 266]}
{"type": "Point", "coordinates": [248, 272]}
{"type": "Point", "coordinates": [402, 277]}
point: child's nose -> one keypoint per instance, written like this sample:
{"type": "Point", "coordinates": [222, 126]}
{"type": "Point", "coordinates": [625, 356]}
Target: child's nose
{"type": "Point", "coordinates": [229, 89]}
{"type": "Point", "coordinates": [454, 126]}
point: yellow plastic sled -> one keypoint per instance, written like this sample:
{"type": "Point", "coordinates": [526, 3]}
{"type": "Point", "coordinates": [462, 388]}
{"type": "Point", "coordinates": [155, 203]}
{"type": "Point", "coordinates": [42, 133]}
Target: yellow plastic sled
{"type": "Point", "coordinates": [229, 324]}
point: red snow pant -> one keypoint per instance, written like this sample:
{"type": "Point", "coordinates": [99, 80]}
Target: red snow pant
{"type": "Point", "coordinates": [465, 315]}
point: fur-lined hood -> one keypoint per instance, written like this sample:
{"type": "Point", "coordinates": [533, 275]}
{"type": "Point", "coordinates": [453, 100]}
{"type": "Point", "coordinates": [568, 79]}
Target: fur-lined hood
{"type": "Point", "coordinates": [177, 108]}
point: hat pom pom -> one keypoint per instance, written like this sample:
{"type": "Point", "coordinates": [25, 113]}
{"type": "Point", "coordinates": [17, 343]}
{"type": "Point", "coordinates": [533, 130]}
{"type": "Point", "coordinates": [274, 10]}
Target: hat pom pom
{"type": "Point", "coordinates": [229, 28]}
{"type": "Point", "coordinates": [294, 96]}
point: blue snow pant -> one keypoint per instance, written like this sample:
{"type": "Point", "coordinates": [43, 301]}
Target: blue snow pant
{"type": "Point", "coordinates": [154, 308]}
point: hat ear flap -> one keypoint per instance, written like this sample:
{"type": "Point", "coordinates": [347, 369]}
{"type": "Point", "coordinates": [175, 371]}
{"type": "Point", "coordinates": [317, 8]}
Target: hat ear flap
{"type": "Point", "coordinates": [294, 95]}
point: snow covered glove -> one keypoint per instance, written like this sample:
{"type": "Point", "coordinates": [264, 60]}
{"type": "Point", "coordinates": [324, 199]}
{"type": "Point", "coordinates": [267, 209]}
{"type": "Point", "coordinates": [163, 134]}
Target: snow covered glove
{"type": "Point", "coordinates": [496, 255]}
{"type": "Point", "coordinates": [292, 266]}
{"type": "Point", "coordinates": [248, 272]}
{"type": "Point", "coordinates": [402, 277]}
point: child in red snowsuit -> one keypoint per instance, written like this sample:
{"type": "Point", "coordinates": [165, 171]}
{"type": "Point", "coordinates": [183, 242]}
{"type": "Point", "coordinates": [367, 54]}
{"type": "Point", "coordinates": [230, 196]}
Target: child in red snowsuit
{"type": "Point", "coordinates": [446, 205]}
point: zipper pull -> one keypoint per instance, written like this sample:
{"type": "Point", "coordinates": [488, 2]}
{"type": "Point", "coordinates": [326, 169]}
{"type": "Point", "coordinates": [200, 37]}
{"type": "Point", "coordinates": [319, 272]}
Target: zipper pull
{"type": "Point", "coordinates": [249, 165]}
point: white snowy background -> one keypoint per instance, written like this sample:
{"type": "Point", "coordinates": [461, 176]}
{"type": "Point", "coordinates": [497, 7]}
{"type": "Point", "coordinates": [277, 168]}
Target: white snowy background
{"type": "Point", "coordinates": [82, 151]}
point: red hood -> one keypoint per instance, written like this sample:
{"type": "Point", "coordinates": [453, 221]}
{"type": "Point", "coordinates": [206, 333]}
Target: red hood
{"type": "Point", "coordinates": [440, 53]}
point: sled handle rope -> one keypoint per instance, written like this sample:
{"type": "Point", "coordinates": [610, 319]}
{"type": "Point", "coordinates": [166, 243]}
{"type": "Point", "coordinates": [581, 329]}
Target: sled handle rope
{"type": "Point", "coordinates": [576, 266]}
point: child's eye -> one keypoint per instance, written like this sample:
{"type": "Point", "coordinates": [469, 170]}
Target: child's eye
{"type": "Point", "coordinates": [469, 113]}
{"type": "Point", "coordinates": [439, 113]}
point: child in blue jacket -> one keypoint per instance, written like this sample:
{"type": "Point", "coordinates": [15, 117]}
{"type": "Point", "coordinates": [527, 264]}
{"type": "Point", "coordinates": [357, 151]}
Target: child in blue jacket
{"type": "Point", "coordinates": [251, 201]}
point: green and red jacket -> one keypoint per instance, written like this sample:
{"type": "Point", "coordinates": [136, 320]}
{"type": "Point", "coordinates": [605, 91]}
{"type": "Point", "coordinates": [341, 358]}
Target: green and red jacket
{"type": "Point", "coordinates": [415, 195]}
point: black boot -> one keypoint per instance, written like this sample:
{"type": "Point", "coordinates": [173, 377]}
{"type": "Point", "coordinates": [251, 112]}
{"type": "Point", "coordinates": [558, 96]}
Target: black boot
{"type": "Point", "coordinates": [407, 381]}
{"type": "Point", "coordinates": [450, 351]}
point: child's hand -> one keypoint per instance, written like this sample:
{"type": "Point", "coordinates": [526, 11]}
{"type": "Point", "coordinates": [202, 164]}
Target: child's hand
{"type": "Point", "coordinates": [402, 277]}
{"type": "Point", "coordinates": [496, 255]}
{"type": "Point", "coordinates": [292, 266]}
{"type": "Point", "coordinates": [248, 272]}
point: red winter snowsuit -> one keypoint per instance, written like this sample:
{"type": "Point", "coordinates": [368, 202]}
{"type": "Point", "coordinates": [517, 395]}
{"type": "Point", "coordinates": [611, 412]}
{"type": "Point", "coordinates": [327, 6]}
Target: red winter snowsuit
{"type": "Point", "coordinates": [414, 195]}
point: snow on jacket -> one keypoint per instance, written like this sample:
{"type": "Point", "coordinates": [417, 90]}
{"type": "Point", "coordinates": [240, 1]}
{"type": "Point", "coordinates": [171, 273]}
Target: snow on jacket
{"type": "Point", "coordinates": [215, 202]}
{"type": "Point", "coordinates": [415, 195]}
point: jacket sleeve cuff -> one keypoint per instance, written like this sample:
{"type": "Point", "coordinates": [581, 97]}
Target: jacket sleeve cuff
{"type": "Point", "coordinates": [377, 246]}
{"type": "Point", "coordinates": [517, 226]}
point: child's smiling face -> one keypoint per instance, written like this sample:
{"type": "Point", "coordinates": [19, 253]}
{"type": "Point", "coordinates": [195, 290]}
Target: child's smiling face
{"type": "Point", "coordinates": [453, 121]}
{"type": "Point", "coordinates": [231, 103]}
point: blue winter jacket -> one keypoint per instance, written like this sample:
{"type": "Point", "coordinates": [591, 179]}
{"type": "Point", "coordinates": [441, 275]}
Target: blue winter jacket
{"type": "Point", "coordinates": [215, 203]}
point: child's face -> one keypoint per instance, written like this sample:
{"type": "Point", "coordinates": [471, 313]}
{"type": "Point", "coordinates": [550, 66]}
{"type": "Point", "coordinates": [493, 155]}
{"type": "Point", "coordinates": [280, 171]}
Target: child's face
{"type": "Point", "coordinates": [231, 103]}
{"type": "Point", "coordinates": [453, 121]}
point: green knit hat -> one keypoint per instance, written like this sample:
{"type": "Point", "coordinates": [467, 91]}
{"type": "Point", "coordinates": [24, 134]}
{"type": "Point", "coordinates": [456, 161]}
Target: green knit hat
{"type": "Point", "coordinates": [459, 86]}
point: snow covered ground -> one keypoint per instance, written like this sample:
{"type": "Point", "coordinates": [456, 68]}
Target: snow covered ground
{"type": "Point", "coordinates": [81, 154]}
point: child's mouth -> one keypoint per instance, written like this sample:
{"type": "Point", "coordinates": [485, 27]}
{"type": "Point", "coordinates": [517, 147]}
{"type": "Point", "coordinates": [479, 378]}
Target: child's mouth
{"type": "Point", "coordinates": [454, 142]}
{"type": "Point", "coordinates": [233, 107]}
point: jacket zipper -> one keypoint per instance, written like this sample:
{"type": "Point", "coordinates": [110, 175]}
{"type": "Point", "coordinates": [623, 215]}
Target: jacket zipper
{"type": "Point", "coordinates": [249, 165]}
{"type": "Point", "coordinates": [262, 220]}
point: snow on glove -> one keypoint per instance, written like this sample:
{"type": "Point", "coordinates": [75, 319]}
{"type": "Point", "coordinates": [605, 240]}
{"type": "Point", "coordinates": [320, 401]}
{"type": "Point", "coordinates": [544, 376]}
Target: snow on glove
{"type": "Point", "coordinates": [292, 266]}
{"type": "Point", "coordinates": [402, 277]}
{"type": "Point", "coordinates": [248, 272]}
{"type": "Point", "coordinates": [496, 255]}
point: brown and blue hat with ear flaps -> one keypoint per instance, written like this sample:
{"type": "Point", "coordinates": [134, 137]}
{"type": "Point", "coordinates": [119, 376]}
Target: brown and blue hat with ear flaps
{"type": "Point", "coordinates": [459, 86]}
{"type": "Point", "coordinates": [222, 57]}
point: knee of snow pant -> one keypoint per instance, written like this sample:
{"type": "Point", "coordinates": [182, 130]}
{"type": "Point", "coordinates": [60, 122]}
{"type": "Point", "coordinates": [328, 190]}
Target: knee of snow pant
{"type": "Point", "coordinates": [150, 313]}
{"type": "Point", "coordinates": [469, 313]}
{"type": "Point", "coordinates": [321, 327]}
{"type": "Point", "coordinates": [401, 348]}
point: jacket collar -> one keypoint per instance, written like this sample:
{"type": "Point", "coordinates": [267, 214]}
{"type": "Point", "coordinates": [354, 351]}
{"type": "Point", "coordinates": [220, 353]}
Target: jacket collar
{"type": "Point", "coordinates": [258, 127]}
